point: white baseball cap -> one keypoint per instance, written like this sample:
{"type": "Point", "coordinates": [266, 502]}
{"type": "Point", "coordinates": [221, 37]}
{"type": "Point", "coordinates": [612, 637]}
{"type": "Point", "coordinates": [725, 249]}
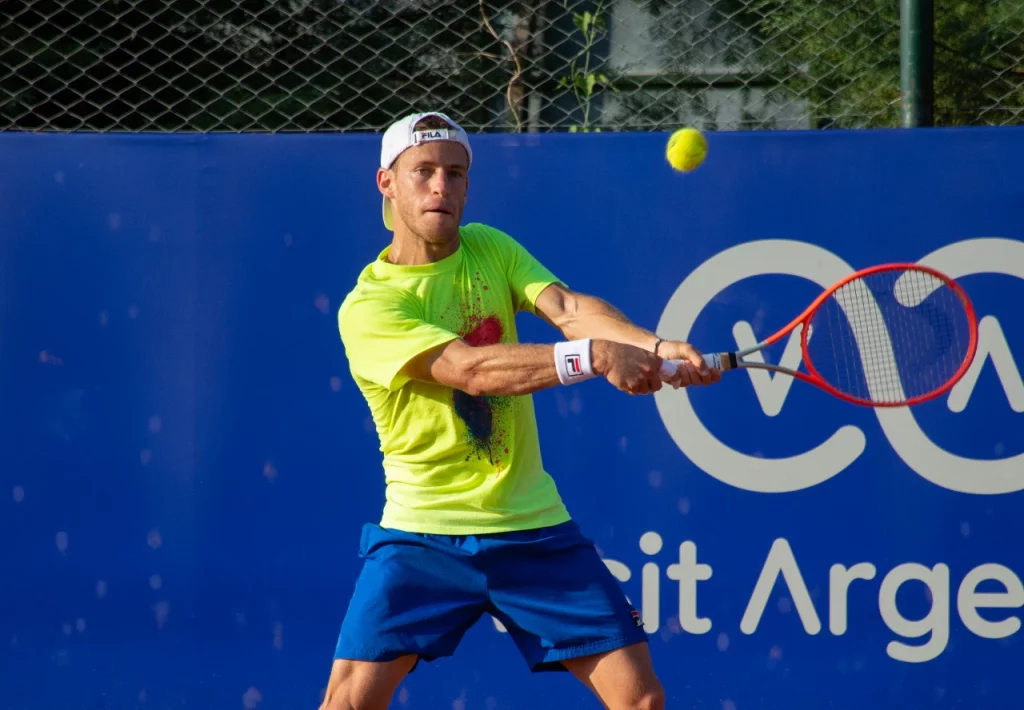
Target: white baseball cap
{"type": "Point", "coordinates": [401, 135]}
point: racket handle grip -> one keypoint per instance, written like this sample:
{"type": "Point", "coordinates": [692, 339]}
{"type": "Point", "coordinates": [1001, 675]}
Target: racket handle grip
{"type": "Point", "coordinates": [712, 360]}
{"type": "Point", "coordinates": [668, 367]}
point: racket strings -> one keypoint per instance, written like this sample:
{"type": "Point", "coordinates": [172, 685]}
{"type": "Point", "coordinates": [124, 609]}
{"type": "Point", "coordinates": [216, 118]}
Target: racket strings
{"type": "Point", "coordinates": [889, 336]}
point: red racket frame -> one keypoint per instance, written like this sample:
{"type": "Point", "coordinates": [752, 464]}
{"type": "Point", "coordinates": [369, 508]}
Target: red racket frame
{"type": "Point", "coordinates": [815, 378]}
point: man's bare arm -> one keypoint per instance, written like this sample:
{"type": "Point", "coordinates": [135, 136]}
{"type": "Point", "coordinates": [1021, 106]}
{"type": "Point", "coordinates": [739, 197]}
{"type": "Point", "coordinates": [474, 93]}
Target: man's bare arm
{"type": "Point", "coordinates": [578, 315]}
{"type": "Point", "coordinates": [488, 369]}
{"type": "Point", "coordinates": [518, 369]}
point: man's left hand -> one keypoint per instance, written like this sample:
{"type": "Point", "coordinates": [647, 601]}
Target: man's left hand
{"type": "Point", "coordinates": [692, 370]}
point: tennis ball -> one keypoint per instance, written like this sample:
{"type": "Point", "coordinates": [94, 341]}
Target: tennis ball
{"type": "Point", "coordinates": [686, 149]}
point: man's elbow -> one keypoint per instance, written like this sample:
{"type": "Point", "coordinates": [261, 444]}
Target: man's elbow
{"type": "Point", "coordinates": [470, 377]}
{"type": "Point", "coordinates": [458, 367]}
{"type": "Point", "coordinates": [575, 310]}
{"type": "Point", "coordinates": [474, 387]}
{"type": "Point", "coordinates": [558, 306]}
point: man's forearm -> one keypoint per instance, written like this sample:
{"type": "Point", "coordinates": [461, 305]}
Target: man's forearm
{"type": "Point", "coordinates": [593, 317]}
{"type": "Point", "coordinates": [507, 369]}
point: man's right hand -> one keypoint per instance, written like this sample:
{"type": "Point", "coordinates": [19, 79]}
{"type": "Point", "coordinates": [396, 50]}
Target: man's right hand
{"type": "Point", "coordinates": [631, 369]}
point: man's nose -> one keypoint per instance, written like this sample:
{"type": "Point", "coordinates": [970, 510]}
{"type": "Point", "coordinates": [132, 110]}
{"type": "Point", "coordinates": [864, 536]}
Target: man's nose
{"type": "Point", "coordinates": [440, 183]}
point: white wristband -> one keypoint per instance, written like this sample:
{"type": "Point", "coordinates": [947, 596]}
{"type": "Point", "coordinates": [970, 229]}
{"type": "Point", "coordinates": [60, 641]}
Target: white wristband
{"type": "Point", "coordinates": [572, 360]}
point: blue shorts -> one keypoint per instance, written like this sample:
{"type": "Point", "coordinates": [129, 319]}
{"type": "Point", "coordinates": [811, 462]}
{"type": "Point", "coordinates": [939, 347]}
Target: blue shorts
{"type": "Point", "coordinates": [419, 593]}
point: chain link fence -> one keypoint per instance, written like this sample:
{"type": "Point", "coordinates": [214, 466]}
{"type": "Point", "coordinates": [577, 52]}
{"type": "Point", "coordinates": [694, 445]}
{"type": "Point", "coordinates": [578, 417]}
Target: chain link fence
{"type": "Point", "coordinates": [495, 65]}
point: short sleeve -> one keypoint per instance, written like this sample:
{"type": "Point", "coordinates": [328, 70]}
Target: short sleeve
{"type": "Point", "coordinates": [527, 277]}
{"type": "Point", "coordinates": [382, 334]}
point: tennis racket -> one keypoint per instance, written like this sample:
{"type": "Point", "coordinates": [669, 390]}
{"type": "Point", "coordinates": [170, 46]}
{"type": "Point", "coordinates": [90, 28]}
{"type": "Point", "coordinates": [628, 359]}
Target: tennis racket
{"type": "Point", "coordinates": [893, 335]}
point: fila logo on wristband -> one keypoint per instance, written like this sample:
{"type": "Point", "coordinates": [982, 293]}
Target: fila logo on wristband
{"type": "Point", "coordinates": [573, 365]}
{"type": "Point", "coordinates": [572, 361]}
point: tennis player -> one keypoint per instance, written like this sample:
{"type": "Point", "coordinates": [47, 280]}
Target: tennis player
{"type": "Point", "coordinates": [472, 523]}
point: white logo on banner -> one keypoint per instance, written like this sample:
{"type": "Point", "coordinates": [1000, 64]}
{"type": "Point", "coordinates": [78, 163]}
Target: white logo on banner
{"type": "Point", "coordinates": [846, 444]}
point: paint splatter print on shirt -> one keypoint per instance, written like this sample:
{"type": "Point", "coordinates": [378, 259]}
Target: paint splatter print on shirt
{"type": "Point", "coordinates": [486, 416]}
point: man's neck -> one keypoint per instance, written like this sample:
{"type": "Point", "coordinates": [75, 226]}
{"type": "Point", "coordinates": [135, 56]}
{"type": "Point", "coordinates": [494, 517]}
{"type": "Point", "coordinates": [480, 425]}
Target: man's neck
{"type": "Point", "coordinates": [409, 250]}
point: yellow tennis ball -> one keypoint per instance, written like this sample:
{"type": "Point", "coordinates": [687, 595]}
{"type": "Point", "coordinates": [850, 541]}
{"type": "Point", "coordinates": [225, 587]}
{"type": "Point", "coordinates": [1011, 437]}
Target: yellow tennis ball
{"type": "Point", "coordinates": [686, 149]}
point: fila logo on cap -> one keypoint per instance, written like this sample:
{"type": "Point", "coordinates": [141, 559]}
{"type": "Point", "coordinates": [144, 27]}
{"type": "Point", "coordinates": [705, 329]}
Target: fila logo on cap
{"type": "Point", "coordinates": [437, 134]}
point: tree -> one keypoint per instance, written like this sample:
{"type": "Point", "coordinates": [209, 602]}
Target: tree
{"type": "Point", "coordinates": [842, 59]}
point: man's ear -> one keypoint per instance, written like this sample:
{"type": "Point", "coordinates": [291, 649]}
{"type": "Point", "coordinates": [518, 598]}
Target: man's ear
{"type": "Point", "coordinates": [386, 183]}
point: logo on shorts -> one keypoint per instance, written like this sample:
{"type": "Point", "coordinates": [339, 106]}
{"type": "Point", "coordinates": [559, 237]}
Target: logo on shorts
{"type": "Point", "coordinates": [636, 617]}
{"type": "Point", "coordinates": [573, 365]}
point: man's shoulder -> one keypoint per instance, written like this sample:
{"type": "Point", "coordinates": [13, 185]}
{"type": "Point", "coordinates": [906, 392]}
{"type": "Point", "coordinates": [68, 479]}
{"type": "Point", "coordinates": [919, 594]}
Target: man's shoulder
{"type": "Point", "coordinates": [489, 242]}
{"type": "Point", "coordinates": [371, 293]}
{"type": "Point", "coordinates": [478, 231]}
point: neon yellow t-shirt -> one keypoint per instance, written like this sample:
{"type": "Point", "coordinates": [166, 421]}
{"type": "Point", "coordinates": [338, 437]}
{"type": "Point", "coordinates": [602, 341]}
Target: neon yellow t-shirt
{"type": "Point", "coordinates": [453, 464]}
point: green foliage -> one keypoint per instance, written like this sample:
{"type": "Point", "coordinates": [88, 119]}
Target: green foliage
{"type": "Point", "coordinates": [303, 65]}
{"type": "Point", "coordinates": [843, 59]}
{"type": "Point", "coordinates": [584, 80]}
{"type": "Point", "coordinates": [979, 62]}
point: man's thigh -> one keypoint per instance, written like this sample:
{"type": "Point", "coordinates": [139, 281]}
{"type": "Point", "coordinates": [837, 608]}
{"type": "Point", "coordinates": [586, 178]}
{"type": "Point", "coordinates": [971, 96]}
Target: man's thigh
{"type": "Point", "coordinates": [622, 678]}
{"type": "Point", "coordinates": [414, 596]}
{"type": "Point", "coordinates": [557, 599]}
{"type": "Point", "coordinates": [364, 685]}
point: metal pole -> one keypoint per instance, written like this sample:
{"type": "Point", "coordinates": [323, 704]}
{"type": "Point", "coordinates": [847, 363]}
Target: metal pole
{"type": "Point", "coordinates": [917, 67]}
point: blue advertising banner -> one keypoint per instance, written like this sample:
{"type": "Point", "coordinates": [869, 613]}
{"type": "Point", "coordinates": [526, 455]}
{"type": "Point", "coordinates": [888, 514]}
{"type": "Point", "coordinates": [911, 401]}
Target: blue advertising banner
{"type": "Point", "coordinates": [186, 464]}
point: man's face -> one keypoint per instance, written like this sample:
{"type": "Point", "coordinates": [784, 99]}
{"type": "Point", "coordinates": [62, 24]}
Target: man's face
{"type": "Point", "coordinates": [427, 187]}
